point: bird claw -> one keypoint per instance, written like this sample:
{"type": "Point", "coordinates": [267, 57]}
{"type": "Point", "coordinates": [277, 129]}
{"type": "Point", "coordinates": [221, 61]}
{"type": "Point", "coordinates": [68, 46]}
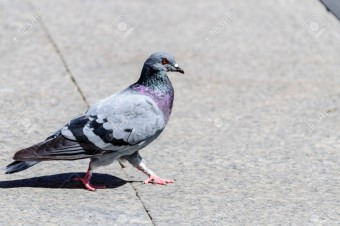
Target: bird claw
{"type": "Point", "coordinates": [87, 184]}
{"type": "Point", "coordinates": [157, 180]}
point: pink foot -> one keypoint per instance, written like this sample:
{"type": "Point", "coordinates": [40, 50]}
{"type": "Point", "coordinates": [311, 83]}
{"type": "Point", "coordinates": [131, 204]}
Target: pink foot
{"type": "Point", "coordinates": [157, 180]}
{"type": "Point", "coordinates": [87, 184]}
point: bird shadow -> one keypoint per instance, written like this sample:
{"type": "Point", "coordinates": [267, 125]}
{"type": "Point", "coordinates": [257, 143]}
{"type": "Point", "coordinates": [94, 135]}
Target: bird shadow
{"type": "Point", "coordinates": [65, 181]}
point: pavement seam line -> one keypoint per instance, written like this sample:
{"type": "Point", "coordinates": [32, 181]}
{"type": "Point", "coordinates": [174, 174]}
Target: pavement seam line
{"type": "Point", "coordinates": [68, 71]}
{"type": "Point", "coordinates": [140, 199]}
{"type": "Point", "coordinates": [57, 50]}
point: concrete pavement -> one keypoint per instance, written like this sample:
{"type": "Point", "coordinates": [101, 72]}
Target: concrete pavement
{"type": "Point", "coordinates": [254, 134]}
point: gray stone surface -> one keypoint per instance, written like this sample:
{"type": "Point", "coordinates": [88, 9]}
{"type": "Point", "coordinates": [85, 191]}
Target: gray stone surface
{"type": "Point", "coordinates": [36, 98]}
{"type": "Point", "coordinates": [254, 135]}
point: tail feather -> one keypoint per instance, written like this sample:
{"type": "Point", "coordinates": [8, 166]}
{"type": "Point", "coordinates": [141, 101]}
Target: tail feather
{"type": "Point", "coordinates": [18, 166]}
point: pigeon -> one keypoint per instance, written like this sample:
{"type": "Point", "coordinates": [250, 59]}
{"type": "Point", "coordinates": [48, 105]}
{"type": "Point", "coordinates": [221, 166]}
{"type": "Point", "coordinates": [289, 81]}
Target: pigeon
{"type": "Point", "coordinates": [115, 128]}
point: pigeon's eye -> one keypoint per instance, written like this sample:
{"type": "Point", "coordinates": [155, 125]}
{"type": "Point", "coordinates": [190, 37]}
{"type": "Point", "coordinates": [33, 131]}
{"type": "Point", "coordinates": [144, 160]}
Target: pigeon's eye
{"type": "Point", "coordinates": [165, 61]}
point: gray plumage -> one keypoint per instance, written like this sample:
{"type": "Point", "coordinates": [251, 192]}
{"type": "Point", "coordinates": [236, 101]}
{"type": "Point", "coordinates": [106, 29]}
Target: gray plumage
{"type": "Point", "coordinates": [116, 127]}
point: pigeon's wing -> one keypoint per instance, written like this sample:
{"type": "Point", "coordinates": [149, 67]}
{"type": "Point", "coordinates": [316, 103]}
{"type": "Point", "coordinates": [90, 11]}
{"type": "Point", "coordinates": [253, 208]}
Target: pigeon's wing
{"type": "Point", "coordinates": [57, 148]}
{"type": "Point", "coordinates": [122, 121]}
{"type": "Point", "coordinates": [117, 123]}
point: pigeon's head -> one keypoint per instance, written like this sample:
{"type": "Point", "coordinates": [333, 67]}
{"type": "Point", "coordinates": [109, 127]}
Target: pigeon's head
{"type": "Point", "coordinates": [162, 62]}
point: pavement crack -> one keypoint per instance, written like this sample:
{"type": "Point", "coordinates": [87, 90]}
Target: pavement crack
{"type": "Point", "coordinates": [141, 201]}
{"type": "Point", "coordinates": [57, 50]}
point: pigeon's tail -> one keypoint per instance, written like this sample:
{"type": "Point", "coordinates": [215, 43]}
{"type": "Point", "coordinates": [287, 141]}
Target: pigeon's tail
{"type": "Point", "coordinates": [18, 166]}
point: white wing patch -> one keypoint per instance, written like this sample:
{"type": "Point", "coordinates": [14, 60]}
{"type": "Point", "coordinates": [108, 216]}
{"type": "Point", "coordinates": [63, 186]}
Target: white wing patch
{"type": "Point", "coordinates": [67, 133]}
{"type": "Point", "coordinates": [96, 139]}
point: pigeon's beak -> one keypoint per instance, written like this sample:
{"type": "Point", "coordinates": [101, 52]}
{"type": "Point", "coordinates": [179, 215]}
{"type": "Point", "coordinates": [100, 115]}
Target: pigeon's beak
{"type": "Point", "coordinates": [178, 69]}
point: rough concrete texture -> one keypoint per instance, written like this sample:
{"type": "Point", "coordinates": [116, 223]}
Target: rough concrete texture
{"type": "Point", "coordinates": [254, 134]}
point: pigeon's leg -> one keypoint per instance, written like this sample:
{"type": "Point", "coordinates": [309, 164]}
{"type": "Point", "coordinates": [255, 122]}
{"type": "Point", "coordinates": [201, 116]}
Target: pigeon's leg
{"type": "Point", "coordinates": [137, 161]}
{"type": "Point", "coordinates": [86, 180]}
{"type": "Point", "coordinates": [153, 178]}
